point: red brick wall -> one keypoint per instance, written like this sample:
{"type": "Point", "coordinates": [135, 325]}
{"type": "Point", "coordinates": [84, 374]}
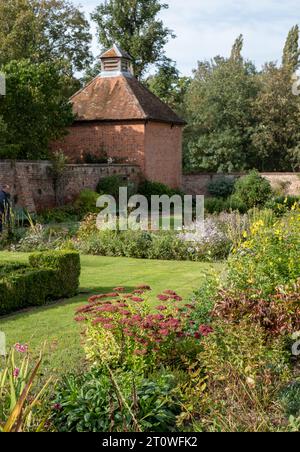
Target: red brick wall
{"type": "Point", "coordinates": [32, 182]}
{"type": "Point", "coordinates": [124, 142]}
{"type": "Point", "coordinates": [163, 161]}
{"type": "Point", "coordinates": [155, 147]}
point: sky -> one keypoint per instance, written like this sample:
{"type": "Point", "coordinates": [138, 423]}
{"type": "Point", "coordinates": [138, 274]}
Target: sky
{"type": "Point", "coordinates": [206, 28]}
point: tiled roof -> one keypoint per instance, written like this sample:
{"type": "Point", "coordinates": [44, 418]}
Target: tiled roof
{"type": "Point", "coordinates": [120, 98]}
{"type": "Point", "coordinates": [116, 51]}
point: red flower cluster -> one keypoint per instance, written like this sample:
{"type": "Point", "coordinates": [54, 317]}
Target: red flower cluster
{"type": "Point", "coordinates": [205, 330]}
{"type": "Point", "coordinates": [133, 324]}
{"type": "Point", "coordinates": [169, 295]}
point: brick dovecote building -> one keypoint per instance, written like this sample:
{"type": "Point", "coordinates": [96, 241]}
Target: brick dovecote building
{"type": "Point", "coordinates": [117, 117]}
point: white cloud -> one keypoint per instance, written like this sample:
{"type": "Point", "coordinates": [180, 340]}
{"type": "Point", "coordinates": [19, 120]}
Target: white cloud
{"type": "Point", "coordinates": [206, 28]}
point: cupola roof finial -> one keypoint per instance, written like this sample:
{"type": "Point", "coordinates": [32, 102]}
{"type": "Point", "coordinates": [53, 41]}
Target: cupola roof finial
{"type": "Point", "coordinates": [115, 62]}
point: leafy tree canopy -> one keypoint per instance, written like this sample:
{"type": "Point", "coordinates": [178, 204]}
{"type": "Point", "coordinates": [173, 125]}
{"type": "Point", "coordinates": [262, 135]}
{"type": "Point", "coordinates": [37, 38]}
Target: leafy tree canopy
{"type": "Point", "coordinates": [277, 110]}
{"type": "Point", "coordinates": [219, 104]}
{"type": "Point", "coordinates": [291, 51]}
{"type": "Point", "coordinates": [135, 26]}
{"type": "Point", "coordinates": [168, 85]}
{"type": "Point", "coordinates": [240, 118]}
{"type": "Point", "coordinates": [43, 31]}
{"type": "Point", "coordinates": [33, 109]}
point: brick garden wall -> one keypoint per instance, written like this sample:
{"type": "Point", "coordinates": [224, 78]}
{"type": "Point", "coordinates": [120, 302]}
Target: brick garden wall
{"type": "Point", "coordinates": [32, 182]}
{"type": "Point", "coordinates": [196, 184]}
{"type": "Point", "coordinates": [123, 142]}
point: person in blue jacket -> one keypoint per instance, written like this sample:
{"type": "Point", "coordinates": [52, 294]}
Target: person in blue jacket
{"type": "Point", "coordinates": [4, 205]}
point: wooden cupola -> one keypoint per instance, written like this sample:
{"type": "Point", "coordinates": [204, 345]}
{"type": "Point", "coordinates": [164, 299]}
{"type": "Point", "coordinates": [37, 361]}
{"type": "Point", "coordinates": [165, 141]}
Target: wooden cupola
{"type": "Point", "coordinates": [115, 62]}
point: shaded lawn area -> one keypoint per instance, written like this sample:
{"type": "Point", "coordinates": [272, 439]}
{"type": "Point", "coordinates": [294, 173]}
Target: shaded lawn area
{"type": "Point", "coordinates": [53, 325]}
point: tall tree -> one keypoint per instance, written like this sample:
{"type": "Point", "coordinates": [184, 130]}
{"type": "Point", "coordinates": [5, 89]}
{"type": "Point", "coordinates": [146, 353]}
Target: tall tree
{"type": "Point", "coordinates": [276, 138]}
{"type": "Point", "coordinates": [33, 108]}
{"type": "Point", "coordinates": [168, 85]}
{"type": "Point", "coordinates": [44, 30]}
{"type": "Point", "coordinates": [135, 26]}
{"type": "Point", "coordinates": [219, 103]}
{"type": "Point", "coordinates": [236, 51]}
{"type": "Point", "coordinates": [291, 51]}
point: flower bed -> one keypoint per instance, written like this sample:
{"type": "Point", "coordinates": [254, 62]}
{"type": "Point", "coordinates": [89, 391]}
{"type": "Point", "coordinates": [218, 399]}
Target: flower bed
{"type": "Point", "coordinates": [212, 240]}
{"type": "Point", "coordinates": [220, 362]}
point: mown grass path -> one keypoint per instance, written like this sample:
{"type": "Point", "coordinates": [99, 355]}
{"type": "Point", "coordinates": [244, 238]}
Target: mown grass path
{"type": "Point", "coordinates": [53, 325]}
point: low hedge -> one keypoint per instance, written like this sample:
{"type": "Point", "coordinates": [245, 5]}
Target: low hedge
{"type": "Point", "coordinates": [24, 288]}
{"type": "Point", "coordinates": [49, 276]}
{"type": "Point", "coordinates": [9, 267]}
{"type": "Point", "coordinates": [67, 266]}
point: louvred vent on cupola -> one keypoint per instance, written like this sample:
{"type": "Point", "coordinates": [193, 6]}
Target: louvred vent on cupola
{"type": "Point", "coordinates": [116, 61]}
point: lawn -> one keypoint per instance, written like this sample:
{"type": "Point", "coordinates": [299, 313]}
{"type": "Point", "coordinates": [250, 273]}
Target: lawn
{"type": "Point", "coordinates": [53, 327]}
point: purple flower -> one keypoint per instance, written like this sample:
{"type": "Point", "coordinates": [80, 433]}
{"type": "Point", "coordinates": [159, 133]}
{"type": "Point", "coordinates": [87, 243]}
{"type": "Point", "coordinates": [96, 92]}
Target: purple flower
{"type": "Point", "coordinates": [16, 372]}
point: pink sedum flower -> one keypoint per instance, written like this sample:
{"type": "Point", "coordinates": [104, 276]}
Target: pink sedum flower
{"type": "Point", "coordinates": [164, 332]}
{"type": "Point", "coordinates": [162, 297]}
{"type": "Point", "coordinates": [205, 330]}
{"type": "Point", "coordinates": [137, 299]}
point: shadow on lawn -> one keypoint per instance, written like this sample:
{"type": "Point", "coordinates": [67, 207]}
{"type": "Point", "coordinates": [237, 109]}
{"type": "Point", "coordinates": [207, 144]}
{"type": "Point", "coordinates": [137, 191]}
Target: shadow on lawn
{"type": "Point", "coordinates": [82, 297]}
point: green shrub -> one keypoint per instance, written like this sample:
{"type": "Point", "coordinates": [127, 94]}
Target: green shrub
{"type": "Point", "coordinates": [222, 187]}
{"type": "Point", "coordinates": [167, 246]}
{"type": "Point", "coordinates": [149, 188]}
{"type": "Point", "coordinates": [67, 266]}
{"type": "Point", "coordinates": [219, 205]}
{"type": "Point", "coordinates": [10, 152]}
{"type": "Point", "coordinates": [86, 203]}
{"type": "Point", "coordinates": [235, 204]}
{"type": "Point", "coordinates": [214, 205]}
{"type": "Point", "coordinates": [163, 245]}
{"type": "Point", "coordinates": [92, 159]}
{"type": "Point", "coordinates": [91, 403]}
{"type": "Point", "coordinates": [110, 186]}
{"type": "Point", "coordinates": [290, 399]}
{"type": "Point", "coordinates": [283, 204]}
{"type": "Point", "coordinates": [136, 244]}
{"type": "Point", "coordinates": [204, 300]}
{"type": "Point", "coordinates": [253, 190]}
{"type": "Point", "coordinates": [63, 214]}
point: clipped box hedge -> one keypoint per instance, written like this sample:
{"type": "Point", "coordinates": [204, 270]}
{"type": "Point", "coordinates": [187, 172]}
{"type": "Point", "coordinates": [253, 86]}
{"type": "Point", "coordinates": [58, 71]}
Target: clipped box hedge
{"type": "Point", "coordinates": [9, 267]}
{"type": "Point", "coordinates": [67, 266]}
{"type": "Point", "coordinates": [49, 276]}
